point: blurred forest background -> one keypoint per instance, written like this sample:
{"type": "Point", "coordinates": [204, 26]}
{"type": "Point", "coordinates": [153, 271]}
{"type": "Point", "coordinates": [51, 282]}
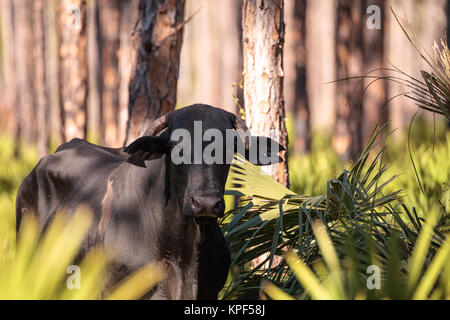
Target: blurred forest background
{"type": "Point", "coordinates": [105, 69]}
{"type": "Point", "coordinates": [66, 66]}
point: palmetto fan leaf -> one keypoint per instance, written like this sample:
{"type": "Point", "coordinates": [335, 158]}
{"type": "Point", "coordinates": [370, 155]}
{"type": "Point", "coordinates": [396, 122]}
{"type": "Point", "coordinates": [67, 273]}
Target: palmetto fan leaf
{"type": "Point", "coordinates": [428, 275]}
{"type": "Point", "coordinates": [37, 267]}
{"type": "Point", "coordinates": [272, 219]}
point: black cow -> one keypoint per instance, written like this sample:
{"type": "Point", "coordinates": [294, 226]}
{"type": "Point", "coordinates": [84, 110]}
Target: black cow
{"type": "Point", "coordinates": [145, 207]}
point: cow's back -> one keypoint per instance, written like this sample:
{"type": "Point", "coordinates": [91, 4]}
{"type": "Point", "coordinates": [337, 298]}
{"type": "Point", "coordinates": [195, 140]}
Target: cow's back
{"type": "Point", "coordinates": [76, 174]}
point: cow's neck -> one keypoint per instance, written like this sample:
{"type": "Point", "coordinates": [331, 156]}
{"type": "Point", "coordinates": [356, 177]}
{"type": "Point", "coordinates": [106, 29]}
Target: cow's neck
{"type": "Point", "coordinates": [149, 187]}
{"type": "Point", "coordinates": [179, 238]}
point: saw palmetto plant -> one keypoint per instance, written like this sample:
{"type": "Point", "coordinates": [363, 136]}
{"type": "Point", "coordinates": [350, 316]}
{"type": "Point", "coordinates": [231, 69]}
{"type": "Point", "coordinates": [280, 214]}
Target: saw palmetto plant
{"type": "Point", "coordinates": [363, 221]}
{"type": "Point", "coordinates": [423, 276]}
{"type": "Point", "coordinates": [432, 169]}
{"type": "Point", "coordinates": [41, 267]}
{"type": "Point", "coordinates": [272, 219]}
{"type": "Point", "coordinates": [321, 247]}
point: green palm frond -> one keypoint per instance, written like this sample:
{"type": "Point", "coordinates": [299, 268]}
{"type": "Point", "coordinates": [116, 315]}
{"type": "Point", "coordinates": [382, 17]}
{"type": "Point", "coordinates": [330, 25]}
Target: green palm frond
{"type": "Point", "coordinates": [36, 268]}
{"type": "Point", "coordinates": [272, 219]}
{"type": "Point", "coordinates": [426, 279]}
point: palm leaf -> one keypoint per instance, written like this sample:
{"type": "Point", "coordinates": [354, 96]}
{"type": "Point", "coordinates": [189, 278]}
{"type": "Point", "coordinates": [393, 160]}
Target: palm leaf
{"type": "Point", "coordinates": [272, 219]}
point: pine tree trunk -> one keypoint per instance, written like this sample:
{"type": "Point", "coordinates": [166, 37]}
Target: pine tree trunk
{"type": "Point", "coordinates": [23, 61]}
{"type": "Point", "coordinates": [8, 117]}
{"type": "Point", "coordinates": [39, 78]}
{"type": "Point", "coordinates": [94, 64]}
{"type": "Point", "coordinates": [51, 70]}
{"type": "Point", "coordinates": [301, 103]}
{"type": "Point", "coordinates": [110, 12]}
{"type": "Point", "coordinates": [347, 139]}
{"type": "Point", "coordinates": [321, 44]}
{"type": "Point", "coordinates": [129, 16]}
{"type": "Point", "coordinates": [375, 112]}
{"type": "Point", "coordinates": [263, 39]}
{"type": "Point", "coordinates": [447, 13]}
{"type": "Point", "coordinates": [231, 60]}
{"type": "Point", "coordinates": [153, 84]}
{"type": "Point", "coordinates": [73, 68]}
{"type": "Point", "coordinates": [403, 56]}
{"type": "Point", "coordinates": [208, 74]}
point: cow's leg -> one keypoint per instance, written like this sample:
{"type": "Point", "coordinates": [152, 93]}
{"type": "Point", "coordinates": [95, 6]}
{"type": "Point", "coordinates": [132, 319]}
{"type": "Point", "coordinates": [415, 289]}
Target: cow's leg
{"type": "Point", "coordinates": [180, 284]}
{"type": "Point", "coordinates": [214, 263]}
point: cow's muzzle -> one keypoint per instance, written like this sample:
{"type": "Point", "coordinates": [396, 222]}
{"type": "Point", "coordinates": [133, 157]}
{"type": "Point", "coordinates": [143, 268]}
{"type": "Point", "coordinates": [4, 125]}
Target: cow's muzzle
{"type": "Point", "coordinates": [206, 207]}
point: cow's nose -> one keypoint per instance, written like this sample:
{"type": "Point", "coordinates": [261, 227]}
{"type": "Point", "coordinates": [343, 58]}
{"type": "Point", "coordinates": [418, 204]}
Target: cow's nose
{"type": "Point", "coordinates": [207, 206]}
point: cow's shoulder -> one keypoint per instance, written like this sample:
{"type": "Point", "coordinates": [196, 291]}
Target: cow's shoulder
{"type": "Point", "coordinates": [81, 145]}
{"type": "Point", "coordinates": [82, 148]}
{"type": "Point", "coordinates": [78, 160]}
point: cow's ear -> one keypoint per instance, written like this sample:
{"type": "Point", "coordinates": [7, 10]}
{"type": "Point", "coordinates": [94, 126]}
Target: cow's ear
{"type": "Point", "coordinates": [263, 151]}
{"type": "Point", "coordinates": [146, 148]}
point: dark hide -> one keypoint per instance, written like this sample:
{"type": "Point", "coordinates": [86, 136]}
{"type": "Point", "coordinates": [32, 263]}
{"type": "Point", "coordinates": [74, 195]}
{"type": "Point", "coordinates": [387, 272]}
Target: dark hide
{"type": "Point", "coordinates": [145, 207]}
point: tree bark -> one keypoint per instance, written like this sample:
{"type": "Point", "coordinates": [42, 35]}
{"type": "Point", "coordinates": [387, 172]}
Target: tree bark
{"type": "Point", "coordinates": [110, 12]}
{"type": "Point", "coordinates": [23, 57]}
{"type": "Point", "coordinates": [347, 139]}
{"type": "Point", "coordinates": [211, 57]}
{"type": "Point", "coordinates": [321, 56]}
{"type": "Point", "coordinates": [153, 84]}
{"type": "Point", "coordinates": [39, 78]}
{"type": "Point", "coordinates": [263, 40]}
{"type": "Point", "coordinates": [129, 16]}
{"type": "Point", "coordinates": [51, 70]}
{"type": "Point", "coordinates": [376, 95]}
{"type": "Point", "coordinates": [231, 60]}
{"type": "Point", "coordinates": [301, 102]}
{"type": "Point", "coordinates": [447, 13]}
{"type": "Point", "coordinates": [222, 69]}
{"type": "Point", "coordinates": [403, 56]}
{"type": "Point", "coordinates": [94, 65]}
{"type": "Point", "coordinates": [8, 119]}
{"type": "Point", "coordinates": [73, 68]}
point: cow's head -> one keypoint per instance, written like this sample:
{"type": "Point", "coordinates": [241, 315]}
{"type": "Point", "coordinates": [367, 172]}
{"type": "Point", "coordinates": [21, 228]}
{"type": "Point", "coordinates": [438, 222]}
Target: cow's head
{"type": "Point", "coordinates": [200, 142]}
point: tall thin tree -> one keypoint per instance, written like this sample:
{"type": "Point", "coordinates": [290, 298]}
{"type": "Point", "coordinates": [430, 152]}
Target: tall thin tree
{"type": "Point", "coordinates": [110, 12]}
{"type": "Point", "coordinates": [207, 72]}
{"type": "Point", "coordinates": [375, 110]}
{"type": "Point", "coordinates": [51, 70]}
{"type": "Point", "coordinates": [301, 110]}
{"type": "Point", "coordinates": [73, 68]}
{"type": "Point", "coordinates": [39, 78]}
{"type": "Point", "coordinates": [129, 16]}
{"type": "Point", "coordinates": [94, 65]}
{"type": "Point", "coordinates": [263, 40]}
{"type": "Point", "coordinates": [347, 138]}
{"type": "Point", "coordinates": [23, 66]}
{"type": "Point", "coordinates": [153, 84]}
{"type": "Point", "coordinates": [8, 117]}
